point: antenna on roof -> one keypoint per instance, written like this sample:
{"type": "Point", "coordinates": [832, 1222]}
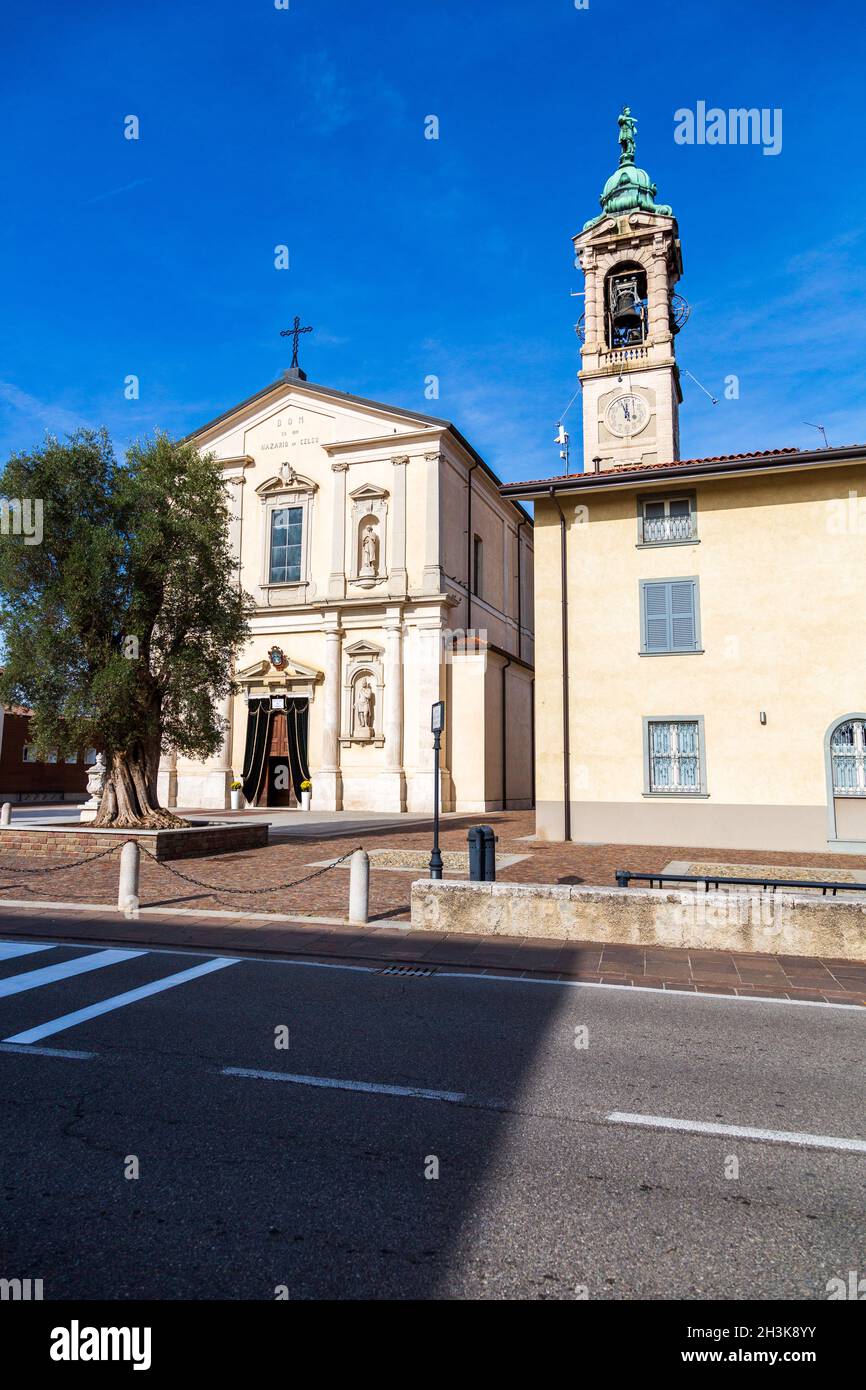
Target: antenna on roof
{"type": "Point", "coordinates": [562, 433]}
{"type": "Point", "coordinates": [701, 384]}
{"type": "Point", "coordinates": [818, 427]}
{"type": "Point", "coordinates": [562, 441]}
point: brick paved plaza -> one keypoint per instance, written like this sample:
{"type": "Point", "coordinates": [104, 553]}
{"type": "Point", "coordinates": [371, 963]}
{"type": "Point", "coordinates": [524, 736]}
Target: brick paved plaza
{"type": "Point", "coordinates": [177, 912]}
{"type": "Point", "coordinates": [327, 895]}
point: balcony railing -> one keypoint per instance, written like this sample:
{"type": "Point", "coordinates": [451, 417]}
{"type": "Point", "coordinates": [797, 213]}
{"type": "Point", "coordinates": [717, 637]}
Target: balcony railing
{"type": "Point", "coordinates": [666, 528]}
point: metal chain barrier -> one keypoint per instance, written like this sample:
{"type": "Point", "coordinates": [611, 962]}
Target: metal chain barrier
{"type": "Point", "coordinates": [55, 868]}
{"type": "Point", "coordinates": [220, 891]}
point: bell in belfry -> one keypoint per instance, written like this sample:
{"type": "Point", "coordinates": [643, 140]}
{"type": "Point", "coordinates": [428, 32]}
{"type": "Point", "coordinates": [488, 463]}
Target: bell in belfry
{"type": "Point", "coordinates": [625, 308]}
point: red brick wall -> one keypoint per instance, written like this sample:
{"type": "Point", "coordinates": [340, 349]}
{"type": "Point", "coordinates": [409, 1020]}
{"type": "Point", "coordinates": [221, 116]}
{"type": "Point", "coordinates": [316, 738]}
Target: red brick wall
{"type": "Point", "coordinates": [165, 844]}
{"type": "Point", "coordinates": [18, 778]}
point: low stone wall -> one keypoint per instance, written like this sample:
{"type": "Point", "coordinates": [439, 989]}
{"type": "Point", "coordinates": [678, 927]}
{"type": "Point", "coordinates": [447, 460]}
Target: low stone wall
{"type": "Point", "coordinates": [801, 924]}
{"type": "Point", "coordinates": [75, 842]}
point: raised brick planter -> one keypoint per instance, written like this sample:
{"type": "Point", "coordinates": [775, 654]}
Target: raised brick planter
{"type": "Point", "coordinates": [75, 841]}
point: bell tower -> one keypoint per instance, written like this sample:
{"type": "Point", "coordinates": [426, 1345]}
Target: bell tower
{"type": "Point", "coordinates": [631, 260]}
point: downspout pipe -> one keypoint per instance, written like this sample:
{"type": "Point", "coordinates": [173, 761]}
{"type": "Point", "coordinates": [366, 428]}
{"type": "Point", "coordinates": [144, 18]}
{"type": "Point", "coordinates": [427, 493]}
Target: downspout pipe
{"type": "Point", "coordinates": [469, 547]}
{"type": "Point", "coordinates": [504, 738]}
{"type": "Point", "coordinates": [566, 740]}
{"type": "Point", "coordinates": [520, 523]}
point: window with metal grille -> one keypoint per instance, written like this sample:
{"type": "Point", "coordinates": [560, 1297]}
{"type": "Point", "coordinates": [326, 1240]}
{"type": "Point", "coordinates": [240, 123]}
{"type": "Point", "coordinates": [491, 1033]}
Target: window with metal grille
{"type": "Point", "coordinates": [286, 535]}
{"type": "Point", "coordinates": [669, 615]}
{"type": "Point", "coordinates": [673, 753]}
{"type": "Point", "coordinates": [667, 519]}
{"type": "Point", "coordinates": [848, 750]}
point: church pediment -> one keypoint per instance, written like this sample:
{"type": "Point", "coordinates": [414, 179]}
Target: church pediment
{"type": "Point", "coordinates": [294, 412]}
{"type": "Point", "coordinates": [364, 650]}
{"type": "Point", "coordinates": [287, 480]}
{"type": "Point", "coordinates": [291, 670]}
{"type": "Point", "coordinates": [368, 493]}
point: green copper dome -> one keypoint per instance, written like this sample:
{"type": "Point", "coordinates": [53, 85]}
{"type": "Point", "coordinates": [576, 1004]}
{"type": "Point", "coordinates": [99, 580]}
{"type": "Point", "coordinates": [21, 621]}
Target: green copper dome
{"type": "Point", "coordinates": [628, 188]}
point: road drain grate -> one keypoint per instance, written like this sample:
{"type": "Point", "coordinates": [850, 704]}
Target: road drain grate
{"type": "Point", "coordinates": [408, 970]}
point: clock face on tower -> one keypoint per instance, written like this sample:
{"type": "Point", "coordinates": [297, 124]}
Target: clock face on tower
{"type": "Point", "coordinates": [626, 415]}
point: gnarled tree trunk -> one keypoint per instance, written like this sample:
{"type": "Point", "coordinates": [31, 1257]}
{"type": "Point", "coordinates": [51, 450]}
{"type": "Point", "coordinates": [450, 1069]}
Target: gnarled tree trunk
{"type": "Point", "coordinates": [129, 796]}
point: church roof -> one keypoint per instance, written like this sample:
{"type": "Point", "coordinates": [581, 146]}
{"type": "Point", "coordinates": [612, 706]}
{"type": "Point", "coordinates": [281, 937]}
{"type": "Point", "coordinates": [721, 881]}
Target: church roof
{"type": "Point", "coordinates": [716, 464]}
{"type": "Point", "coordinates": [316, 389]}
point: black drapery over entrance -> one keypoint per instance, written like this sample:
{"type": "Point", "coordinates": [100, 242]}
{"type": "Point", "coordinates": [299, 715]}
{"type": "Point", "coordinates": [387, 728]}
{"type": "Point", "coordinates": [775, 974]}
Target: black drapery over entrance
{"type": "Point", "coordinates": [265, 738]}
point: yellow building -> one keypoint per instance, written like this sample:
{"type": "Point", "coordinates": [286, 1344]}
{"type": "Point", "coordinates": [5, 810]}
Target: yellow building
{"type": "Point", "coordinates": [700, 680]}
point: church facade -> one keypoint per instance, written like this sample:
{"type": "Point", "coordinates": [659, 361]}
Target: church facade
{"type": "Point", "coordinates": [388, 573]}
{"type": "Point", "coordinates": [698, 684]}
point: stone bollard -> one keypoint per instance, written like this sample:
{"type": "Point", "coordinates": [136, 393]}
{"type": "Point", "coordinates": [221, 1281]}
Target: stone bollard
{"type": "Point", "coordinates": [359, 887]}
{"type": "Point", "coordinates": [6, 813]}
{"type": "Point", "coordinates": [127, 890]}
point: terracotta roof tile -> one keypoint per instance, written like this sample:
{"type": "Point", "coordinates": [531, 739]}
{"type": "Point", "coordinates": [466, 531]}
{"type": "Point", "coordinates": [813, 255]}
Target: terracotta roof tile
{"type": "Point", "coordinates": [619, 469]}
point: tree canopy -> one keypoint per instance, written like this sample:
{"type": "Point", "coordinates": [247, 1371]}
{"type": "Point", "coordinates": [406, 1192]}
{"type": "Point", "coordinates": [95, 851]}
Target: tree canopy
{"type": "Point", "coordinates": [121, 623]}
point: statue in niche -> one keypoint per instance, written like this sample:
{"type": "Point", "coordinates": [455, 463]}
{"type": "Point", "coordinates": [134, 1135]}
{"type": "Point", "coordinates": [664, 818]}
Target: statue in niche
{"type": "Point", "coordinates": [364, 701]}
{"type": "Point", "coordinates": [369, 552]}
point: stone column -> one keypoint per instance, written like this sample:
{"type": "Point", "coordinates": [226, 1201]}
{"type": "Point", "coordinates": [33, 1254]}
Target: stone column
{"type": "Point", "coordinates": [328, 780]}
{"type": "Point", "coordinates": [659, 294]}
{"type": "Point", "coordinates": [391, 783]}
{"type": "Point", "coordinates": [337, 578]}
{"type": "Point", "coordinates": [398, 582]}
{"type": "Point", "coordinates": [432, 547]}
{"type": "Point", "coordinates": [592, 326]}
{"type": "Point", "coordinates": [427, 658]}
{"type": "Point", "coordinates": [166, 781]}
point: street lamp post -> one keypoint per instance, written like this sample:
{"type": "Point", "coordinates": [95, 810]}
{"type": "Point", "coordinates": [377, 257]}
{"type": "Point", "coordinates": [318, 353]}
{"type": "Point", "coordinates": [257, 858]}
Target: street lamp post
{"type": "Point", "coordinates": [437, 723]}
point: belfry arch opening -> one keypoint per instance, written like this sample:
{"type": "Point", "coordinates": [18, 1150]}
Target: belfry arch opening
{"type": "Point", "coordinates": [626, 307]}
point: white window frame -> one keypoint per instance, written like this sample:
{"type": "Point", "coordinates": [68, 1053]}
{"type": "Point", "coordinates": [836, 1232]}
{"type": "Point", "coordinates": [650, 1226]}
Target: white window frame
{"type": "Point", "coordinates": [276, 495]}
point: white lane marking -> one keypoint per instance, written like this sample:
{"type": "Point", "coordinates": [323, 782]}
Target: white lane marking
{"type": "Point", "coordinates": [10, 949]}
{"type": "Point", "coordinates": [34, 979]}
{"type": "Point", "coordinates": [492, 979]}
{"type": "Point", "coordinates": [333, 1083]}
{"type": "Point", "coordinates": [48, 1052]}
{"type": "Point", "coordinates": [643, 989]}
{"type": "Point", "coordinates": [774, 1136]}
{"type": "Point", "coordinates": [57, 1025]}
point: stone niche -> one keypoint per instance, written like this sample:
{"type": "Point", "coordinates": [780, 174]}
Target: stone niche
{"type": "Point", "coordinates": [363, 695]}
{"type": "Point", "coordinates": [367, 536]}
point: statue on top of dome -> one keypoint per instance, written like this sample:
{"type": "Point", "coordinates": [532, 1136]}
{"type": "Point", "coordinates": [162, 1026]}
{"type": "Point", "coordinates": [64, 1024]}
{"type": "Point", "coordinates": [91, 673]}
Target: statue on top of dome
{"type": "Point", "coordinates": [627, 132]}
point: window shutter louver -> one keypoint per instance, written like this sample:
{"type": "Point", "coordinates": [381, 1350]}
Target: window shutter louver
{"type": "Point", "coordinates": [682, 600]}
{"type": "Point", "coordinates": [656, 618]}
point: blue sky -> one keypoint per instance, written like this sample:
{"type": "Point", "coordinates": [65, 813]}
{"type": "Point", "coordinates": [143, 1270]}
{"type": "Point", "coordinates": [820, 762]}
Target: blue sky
{"type": "Point", "coordinates": [413, 257]}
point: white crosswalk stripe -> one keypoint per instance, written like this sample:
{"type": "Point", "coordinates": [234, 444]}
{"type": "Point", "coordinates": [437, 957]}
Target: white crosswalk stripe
{"type": "Point", "coordinates": [80, 965]}
{"type": "Point", "coordinates": [119, 1001]}
{"type": "Point", "coordinates": [10, 949]}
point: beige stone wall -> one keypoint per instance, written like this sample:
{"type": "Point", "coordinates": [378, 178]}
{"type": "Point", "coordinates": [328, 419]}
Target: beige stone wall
{"type": "Point", "coordinates": [784, 924]}
{"type": "Point", "coordinates": [341, 461]}
{"type": "Point", "coordinates": [779, 558]}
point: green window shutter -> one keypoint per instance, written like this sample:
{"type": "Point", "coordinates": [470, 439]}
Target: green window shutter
{"type": "Point", "coordinates": [682, 607]}
{"type": "Point", "coordinates": [657, 622]}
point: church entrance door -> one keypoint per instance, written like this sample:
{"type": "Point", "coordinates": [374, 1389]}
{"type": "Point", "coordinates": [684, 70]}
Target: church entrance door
{"type": "Point", "coordinates": [275, 763]}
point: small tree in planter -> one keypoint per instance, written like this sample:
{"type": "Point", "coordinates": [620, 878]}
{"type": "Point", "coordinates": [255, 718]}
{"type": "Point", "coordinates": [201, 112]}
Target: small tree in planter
{"type": "Point", "coordinates": [120, 626]}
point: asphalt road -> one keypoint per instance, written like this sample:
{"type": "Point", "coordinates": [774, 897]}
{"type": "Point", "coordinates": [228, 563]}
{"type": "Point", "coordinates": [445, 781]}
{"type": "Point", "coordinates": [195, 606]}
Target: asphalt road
{"type": "Point", "coordinates": [250, 1183]}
